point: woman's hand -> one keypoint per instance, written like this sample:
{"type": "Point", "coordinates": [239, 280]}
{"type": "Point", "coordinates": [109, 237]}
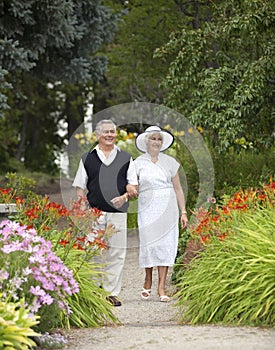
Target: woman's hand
{"type": "Point", "coordinates": [184, 220]}
{"type": "Point", "coordinates": [132, 190]}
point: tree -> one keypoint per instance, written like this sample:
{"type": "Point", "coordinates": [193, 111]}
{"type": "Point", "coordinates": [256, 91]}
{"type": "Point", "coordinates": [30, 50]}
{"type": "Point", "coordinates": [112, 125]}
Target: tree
{"type": "Point", "coordinates": [57, 39]}
{"type": "Point", "coordinates": [133, 74]}
{"type": "Point", "coordinates": [41, 43]}
{"type": "Point", "coordinates": [222, 74]}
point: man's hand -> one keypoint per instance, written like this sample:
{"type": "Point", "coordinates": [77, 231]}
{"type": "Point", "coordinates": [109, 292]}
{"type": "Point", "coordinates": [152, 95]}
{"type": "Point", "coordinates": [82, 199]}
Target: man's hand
{"type": "Point", "coordinates": [119, 201]}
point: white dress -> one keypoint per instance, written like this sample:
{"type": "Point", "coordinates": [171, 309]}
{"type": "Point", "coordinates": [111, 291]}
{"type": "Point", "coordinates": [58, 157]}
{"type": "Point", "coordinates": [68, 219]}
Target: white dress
{"type": "Point", "coordinates": [158, 214]}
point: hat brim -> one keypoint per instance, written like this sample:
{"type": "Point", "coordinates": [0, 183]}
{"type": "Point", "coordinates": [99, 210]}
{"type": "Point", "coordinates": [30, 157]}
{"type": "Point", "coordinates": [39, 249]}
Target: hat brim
{"type": "Point", "coordinates": [167, 138]}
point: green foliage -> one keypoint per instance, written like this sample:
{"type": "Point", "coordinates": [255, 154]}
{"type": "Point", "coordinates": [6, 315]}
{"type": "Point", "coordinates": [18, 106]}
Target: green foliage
{"type": "Point", "coordinates": [133, 74]}
{"type": "Point", "coordinates": [218, 219]}
{"type": "Point", "coordinates": [57, 39]}
{"type": "Point", "coordinates": [34, 118]}
{"type": "Point", "coordinates": [21, 184]}
{"type": "Point", "coordinates": [178, 268]}
{"type": "Point", "coordinates": [233, 170]}
{"type": "Point", "coordinates": [43, 46]}
{"type": "Point", "coordinates": [244, 169]}
{"type": "Point", "coordinates": [25, 183]}
{"type": "Point", "coordinates": [15, 326]}
{"type": "Point", "coordinates": [90, 307]}
{"type": "Point", "coordinates": [222, 73]}
{"type": "Point", "coordinates": [31, 270]}
{"type": "Point", "coordinates": [68, 232]}
{"type": "Point", "coordinates": [233, 281]}
{"type": "Point", "coordinates": [4, 86]}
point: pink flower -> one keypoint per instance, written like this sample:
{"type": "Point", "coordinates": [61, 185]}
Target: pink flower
{"type": "Point", "coordinates": [4, 275]}
{"type": "Point", "coordinates": [43, 268]}
{"type": "Point", "coordinates": [47, 299]}
{"type": "Point", "coordinates": [37, 291]}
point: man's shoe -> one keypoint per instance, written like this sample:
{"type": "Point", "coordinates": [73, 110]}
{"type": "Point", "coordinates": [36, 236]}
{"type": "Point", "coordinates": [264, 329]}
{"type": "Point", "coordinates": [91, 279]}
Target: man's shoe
{"type": "Point", "coordinates": [114, 300]}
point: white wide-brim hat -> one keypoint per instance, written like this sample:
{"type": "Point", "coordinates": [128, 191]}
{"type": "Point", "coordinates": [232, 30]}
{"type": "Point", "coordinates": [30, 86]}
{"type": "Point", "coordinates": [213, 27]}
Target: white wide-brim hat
{"type": "Point", "coordinates": [167, 138]}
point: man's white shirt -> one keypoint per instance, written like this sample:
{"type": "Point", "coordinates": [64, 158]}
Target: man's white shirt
{"type": "Point", "coordinates": [81, 177]}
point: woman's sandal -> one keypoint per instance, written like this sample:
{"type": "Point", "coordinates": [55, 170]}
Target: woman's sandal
{"type": "Point", "coordinates": [145, 294]}
{"type": "Point", "coordinates": [164, 298]}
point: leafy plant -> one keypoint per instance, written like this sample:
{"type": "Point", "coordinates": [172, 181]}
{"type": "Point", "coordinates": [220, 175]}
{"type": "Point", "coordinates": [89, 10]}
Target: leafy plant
{"type": "Point", "coordinates": [75, 240]}
{"type": "Point", "coordinates": [30, 269]}
{"type": "Point", "coordinates": [232, 281]}
{"type": "Point", "coordinates": [218, 220]}
{"type": "Point", "coordinates": [50, 341]}
{"type": "Point", "coordinates": [90, 307]}
{"type": "Point", "coordinates": [219, 76]}
{"type": "Point", "coordinates": [16, 326]}
{"type": "Point", "coordinates": [77, 247]}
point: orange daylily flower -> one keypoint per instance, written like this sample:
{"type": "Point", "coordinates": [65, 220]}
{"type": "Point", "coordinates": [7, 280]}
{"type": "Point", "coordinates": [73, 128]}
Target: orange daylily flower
{"type": "Point", "coordinates": [63, 242]}
{"type": "Point", "coordinates": [205, 239]}
{"type": "Point", "coordinates": [5, 190]}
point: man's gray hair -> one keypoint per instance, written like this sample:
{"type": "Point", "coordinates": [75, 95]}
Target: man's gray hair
{"type": "Point", "coordinates": [101, 122]}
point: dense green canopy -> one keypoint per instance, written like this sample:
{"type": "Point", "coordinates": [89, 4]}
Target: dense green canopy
{"type": "Point", "coordinates": [45, 46]}
{"type": "Point", "coordinates": [57, 39]}
{"type": "Point", "coordinates": [212, 61]}
{"type": "Point", "coordinates": [133, 74]}
{"type": "Point", "coordinates": [222, 75]}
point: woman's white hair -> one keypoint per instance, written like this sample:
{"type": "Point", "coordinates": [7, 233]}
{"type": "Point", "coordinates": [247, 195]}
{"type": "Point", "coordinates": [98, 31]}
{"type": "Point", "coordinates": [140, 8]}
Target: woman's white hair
{"type": "Point", "coordinates": [148, 135]}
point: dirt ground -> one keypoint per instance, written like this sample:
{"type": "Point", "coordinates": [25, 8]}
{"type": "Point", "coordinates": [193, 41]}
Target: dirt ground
{"type": "Point", "coordinates": [152, 325]}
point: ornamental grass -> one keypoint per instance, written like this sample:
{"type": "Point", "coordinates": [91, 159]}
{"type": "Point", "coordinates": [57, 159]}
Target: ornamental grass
{"type": "Point", "coordinates": [89, 306]}
{"type": "Point", "coordinates": [232, 280]}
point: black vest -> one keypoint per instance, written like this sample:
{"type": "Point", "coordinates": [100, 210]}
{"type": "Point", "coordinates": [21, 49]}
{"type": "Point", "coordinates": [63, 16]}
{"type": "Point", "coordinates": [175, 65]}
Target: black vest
{"type": "Point", "coordinates": [106, 181]}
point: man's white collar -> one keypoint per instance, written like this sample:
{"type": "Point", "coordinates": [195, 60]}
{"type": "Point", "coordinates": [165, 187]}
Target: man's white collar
{"type": "Point", "coordinates": [98, 149]}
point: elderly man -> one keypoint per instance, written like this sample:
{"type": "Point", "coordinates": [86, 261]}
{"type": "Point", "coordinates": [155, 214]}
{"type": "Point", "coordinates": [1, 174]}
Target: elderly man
{"type": "Point", "coordinates": [108, 176]}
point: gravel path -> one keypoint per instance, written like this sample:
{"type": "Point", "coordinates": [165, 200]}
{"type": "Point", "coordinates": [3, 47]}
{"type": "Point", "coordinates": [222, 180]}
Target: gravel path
{"type": "Point", "coordinates": [153, 325]}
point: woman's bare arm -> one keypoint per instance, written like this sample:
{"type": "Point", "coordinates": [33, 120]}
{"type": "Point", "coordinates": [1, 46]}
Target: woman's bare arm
{"type": "Point", "coordinates": [181, 200]}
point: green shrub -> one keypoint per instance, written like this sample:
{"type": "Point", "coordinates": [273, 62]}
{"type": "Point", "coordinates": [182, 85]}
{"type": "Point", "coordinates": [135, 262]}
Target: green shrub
{"type": "Point", "coordinates": [233, 280]}
{"type": "Point", "coordinates": [244, 169]}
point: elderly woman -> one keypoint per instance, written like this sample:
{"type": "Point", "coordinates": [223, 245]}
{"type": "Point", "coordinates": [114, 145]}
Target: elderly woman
{"type": "Point", "coordinates": [160, 199]}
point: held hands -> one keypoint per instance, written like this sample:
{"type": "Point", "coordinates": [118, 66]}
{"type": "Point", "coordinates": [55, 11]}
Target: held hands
{"type": "Point", "coordinates": [120, 200]}
{"type": "Point", "coordinates": [132, 190]}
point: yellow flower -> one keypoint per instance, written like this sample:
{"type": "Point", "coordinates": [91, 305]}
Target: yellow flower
{"type": "Point", "coordinates": [91, 138]}
{"type": "Point", "coordinates": [131, 135]}
{"type": "Point", "coordinates": [200, 129]}
{"type": "Point", "coordinates": [179, 133]}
